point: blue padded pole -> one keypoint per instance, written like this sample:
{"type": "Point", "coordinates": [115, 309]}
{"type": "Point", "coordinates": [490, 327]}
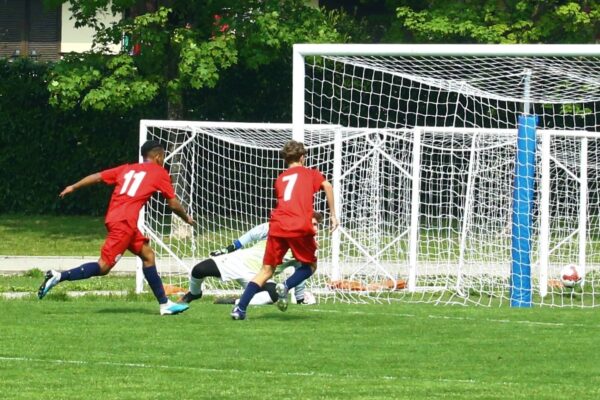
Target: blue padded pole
{"type": "Point", "coordinates": [520, 289]}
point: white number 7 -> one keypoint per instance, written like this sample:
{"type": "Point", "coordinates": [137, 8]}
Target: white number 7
{"type": "Point", "coordinates": [291, 181]}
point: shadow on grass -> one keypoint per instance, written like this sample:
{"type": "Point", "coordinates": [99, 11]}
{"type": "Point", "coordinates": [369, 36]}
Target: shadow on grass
{"type": "Point", "coordinates": [280, 316]}
{"type": "Point", "coordinates": [126, 310]}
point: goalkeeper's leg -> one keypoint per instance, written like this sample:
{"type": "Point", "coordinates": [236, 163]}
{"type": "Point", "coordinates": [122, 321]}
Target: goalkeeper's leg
{"type": "Point", "coordinates": [200, 271]}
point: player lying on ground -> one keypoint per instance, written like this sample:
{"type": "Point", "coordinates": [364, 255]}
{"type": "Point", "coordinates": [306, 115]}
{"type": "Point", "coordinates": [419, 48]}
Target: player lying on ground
{"type": "Point", "coordinates": [290, 227]}
{"type": "Point", "coordinates": [240, 262]}
{"type": "Point", "coordinates": [134, 185]}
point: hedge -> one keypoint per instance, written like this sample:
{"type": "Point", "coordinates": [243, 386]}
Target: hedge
{"type": "Point", "coordinates": [44, 149]}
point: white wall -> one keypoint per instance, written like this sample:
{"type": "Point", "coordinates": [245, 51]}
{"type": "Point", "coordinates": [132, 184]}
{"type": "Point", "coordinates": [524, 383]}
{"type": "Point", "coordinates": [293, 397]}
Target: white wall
{"type": "Point", "coordinates": [80, 39]}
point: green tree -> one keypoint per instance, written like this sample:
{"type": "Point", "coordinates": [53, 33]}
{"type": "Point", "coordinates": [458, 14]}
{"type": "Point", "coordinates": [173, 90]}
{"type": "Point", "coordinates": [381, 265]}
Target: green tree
{"type": "Point", "coordinates": [170, 47]}
{"type": "Point", "coordinates": [477, 21]}
{"type": "Point", "coordinates": [501, 21]}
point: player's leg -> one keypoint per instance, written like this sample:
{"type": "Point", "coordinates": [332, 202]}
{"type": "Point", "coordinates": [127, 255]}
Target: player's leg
{"type": "Point", "coordinates": [268, 295]}
{"type": "Point", "coordinates": [299, 291]}
{"type": "Point", "coordinates": [139, 246]}
{"type": "Point", "coordinates": [304, 250]}
{"type": "Point", "coordinates": [204, 269]}
{"type": "Point", "coordinates": [115, 244]}
{"type": "Point", "coordinates": [253, 287]}
{"type": "Point", "coordinates": [274, 252]}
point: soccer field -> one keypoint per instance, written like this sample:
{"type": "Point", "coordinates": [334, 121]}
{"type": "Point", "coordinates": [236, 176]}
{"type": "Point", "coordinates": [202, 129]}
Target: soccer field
{"type": "Point", "coordinates": [120, 348]}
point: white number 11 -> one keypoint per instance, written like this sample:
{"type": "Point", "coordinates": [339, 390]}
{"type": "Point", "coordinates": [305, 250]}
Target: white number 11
{"type": "Point", "coordinates": [137, 181]}
{"type": "Point", "coordinates": [291, 181]}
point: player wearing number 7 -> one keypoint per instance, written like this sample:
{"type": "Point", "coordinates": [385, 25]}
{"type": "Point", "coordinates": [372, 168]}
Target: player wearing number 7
{"type": "Point", "coordinates": [134, 185]}
{"type": "Point", "coordinates": [290, 227]}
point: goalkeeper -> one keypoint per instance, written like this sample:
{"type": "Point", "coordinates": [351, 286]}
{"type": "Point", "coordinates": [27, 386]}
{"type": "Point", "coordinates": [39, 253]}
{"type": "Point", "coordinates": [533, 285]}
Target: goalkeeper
{"type": "Point", "coordinates": [240, 261]}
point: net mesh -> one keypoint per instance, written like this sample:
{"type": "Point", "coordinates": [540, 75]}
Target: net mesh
{"type": "Point", "coordinates": [422, 154]}
{"type": "Point", "coordinates": [466, 109]}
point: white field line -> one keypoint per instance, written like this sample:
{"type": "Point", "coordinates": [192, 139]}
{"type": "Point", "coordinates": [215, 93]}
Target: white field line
{"type": "Point", "coordinates": [219, 371]}
{"type": "Point", "coordinates": [500, 321]}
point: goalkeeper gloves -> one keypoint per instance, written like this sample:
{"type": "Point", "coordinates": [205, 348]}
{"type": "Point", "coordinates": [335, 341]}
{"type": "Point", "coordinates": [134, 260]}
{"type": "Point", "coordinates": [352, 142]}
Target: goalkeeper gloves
{"type": "Point", "coordinates": [224, 250]}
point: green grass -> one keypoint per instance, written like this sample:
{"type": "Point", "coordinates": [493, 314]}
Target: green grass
{"type": "Point", "coordinates": [51, 235]}
{"type": "Point", "coordinates": [30, 281]}
{"type": "Point", "coordinates": [122, 349]}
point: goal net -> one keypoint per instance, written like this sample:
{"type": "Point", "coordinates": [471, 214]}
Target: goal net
{"type": "Point", "coordinates": [423, 149]}
{"type": "Point", "coordinates": [442, 198]}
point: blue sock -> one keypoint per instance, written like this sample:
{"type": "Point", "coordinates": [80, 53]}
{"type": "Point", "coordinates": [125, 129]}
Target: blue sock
{"type": "Point", "coordinates": [84, 271]}
{"type": "Point", "coordinates": [155, 284]}
{"type": "Point", "coordinates": [251, 289]}
{"type": "Point", "coordinates": [299, 276]}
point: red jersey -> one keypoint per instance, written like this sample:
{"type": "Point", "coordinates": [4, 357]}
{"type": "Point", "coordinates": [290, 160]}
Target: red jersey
{"type": "Point", "coordinates": [295, 189]}
{"type": "Point", "coordinates": [134, 184]}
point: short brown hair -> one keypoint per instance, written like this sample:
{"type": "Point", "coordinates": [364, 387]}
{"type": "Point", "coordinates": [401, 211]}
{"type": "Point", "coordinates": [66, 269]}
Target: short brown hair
{"type": "Point", "coordinates": [318, 216]}
{"type": "Point", "coordinates": [292, 151]}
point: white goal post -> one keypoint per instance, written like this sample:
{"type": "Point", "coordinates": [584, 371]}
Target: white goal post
{"type": "Point", "coordinates": [443, 196]}
{"type": "Point", "coordinates": [506, 141]}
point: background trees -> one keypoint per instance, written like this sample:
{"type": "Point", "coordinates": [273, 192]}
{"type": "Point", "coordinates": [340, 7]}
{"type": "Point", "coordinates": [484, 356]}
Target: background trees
{"type": "Point", "coordinates": [477, 21]}
{"type": "Point", "coordinates": [173, 48]}
{"type": "Point", "coordinates": [213, 60]}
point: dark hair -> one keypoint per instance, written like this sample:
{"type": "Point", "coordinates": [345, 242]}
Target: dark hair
{"type": "Point", "coordinates": [292, 151]}
{"type": "Point", "coordinates": [149, 146]}
{"type": "Point", "coordinates": [318, 216]}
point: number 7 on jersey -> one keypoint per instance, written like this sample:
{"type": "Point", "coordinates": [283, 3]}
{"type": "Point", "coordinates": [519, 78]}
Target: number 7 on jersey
{"type": "Point", "coordinates": [290, 181]}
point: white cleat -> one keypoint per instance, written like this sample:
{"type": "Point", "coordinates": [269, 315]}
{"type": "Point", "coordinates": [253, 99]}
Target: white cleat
{"type": "Point", "coordinates": [171, 308]}
{"type": "Point", "coordinates": [237, 314]}
{"type": "Point", "coordinates": [282, 294]}
{"type": "Point", "coordinates": [50, 280]}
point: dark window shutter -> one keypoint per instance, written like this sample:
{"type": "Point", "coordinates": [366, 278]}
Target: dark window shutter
{"type": "Point", "coordinates": [44, 31]}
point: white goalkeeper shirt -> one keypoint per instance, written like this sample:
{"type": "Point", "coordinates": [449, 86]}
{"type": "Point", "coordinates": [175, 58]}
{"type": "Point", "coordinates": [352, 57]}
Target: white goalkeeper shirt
{"type": "Point", "coordinates": [242, 265]}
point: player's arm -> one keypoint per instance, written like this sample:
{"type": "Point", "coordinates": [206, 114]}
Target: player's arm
{"type": "Point", "coordinates": [178, 209]}
{"type": "Point", "coordinates": [87, 181]}
{"type": "Point", "coordinates": [259, 232]}
{"type": "Point", "coordinates": [328, 189]}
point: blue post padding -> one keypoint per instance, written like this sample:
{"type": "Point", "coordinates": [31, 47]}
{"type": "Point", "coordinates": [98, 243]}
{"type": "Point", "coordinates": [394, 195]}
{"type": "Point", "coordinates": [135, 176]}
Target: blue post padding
{"type": "Point", "coordinates": [520, 289]}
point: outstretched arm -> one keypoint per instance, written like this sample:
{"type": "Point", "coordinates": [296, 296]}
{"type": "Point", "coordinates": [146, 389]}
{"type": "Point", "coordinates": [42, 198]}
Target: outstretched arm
{"type": "Point", "coordinates": [328, 188]}
{"type": "Point", "coordinates": [178, 209]}
{"type": "Point", "coordinates": [255, 234]}
{"type": "Point", "coordinates": [87, 181]}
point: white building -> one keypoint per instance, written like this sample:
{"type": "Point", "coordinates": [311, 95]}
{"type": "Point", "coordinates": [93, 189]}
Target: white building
{"type": "Point", "coordinates": [28, 28]}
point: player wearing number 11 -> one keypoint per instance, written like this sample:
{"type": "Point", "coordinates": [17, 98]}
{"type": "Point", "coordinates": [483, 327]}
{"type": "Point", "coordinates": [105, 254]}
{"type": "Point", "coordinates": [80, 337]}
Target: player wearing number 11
{"type": "Point", "coordinates": [134, 185]}
{"type": "Point", "coordinates": [290, 226]}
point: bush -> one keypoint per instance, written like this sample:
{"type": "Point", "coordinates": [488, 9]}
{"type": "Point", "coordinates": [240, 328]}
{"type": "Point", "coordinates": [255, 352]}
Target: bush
{"type": "Point", "coordinates": [44, 149]}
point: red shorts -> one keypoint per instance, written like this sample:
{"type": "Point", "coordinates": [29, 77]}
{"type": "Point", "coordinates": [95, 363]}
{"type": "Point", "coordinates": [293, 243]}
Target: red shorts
{"type": "Point", "coordinates": [303, 248]}
{"type": "Point", "coordinates": [121, 236]}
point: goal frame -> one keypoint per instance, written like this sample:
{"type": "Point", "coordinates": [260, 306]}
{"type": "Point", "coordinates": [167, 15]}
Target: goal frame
{"type": "Point", "coordinates": [526, 133]}
{"type": "Point", "coordinates": [300, 51]}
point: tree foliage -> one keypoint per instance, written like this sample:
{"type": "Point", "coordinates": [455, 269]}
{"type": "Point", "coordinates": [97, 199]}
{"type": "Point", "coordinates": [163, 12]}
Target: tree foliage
{"type": "Point", "coordinates": [507, 21]}
{"type": "Point", "coordinates": [477, 21]}
{"type": "Point", "coordinates": [179, 45]}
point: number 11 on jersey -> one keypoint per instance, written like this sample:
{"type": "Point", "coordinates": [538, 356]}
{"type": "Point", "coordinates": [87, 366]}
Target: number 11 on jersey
{"type": "Point", "coordinates": [137, 180]}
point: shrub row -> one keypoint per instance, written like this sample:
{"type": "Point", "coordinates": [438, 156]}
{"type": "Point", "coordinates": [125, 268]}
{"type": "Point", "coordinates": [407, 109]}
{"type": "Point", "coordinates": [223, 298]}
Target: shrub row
{"type": "Point", "coordinates": [44, 149]}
